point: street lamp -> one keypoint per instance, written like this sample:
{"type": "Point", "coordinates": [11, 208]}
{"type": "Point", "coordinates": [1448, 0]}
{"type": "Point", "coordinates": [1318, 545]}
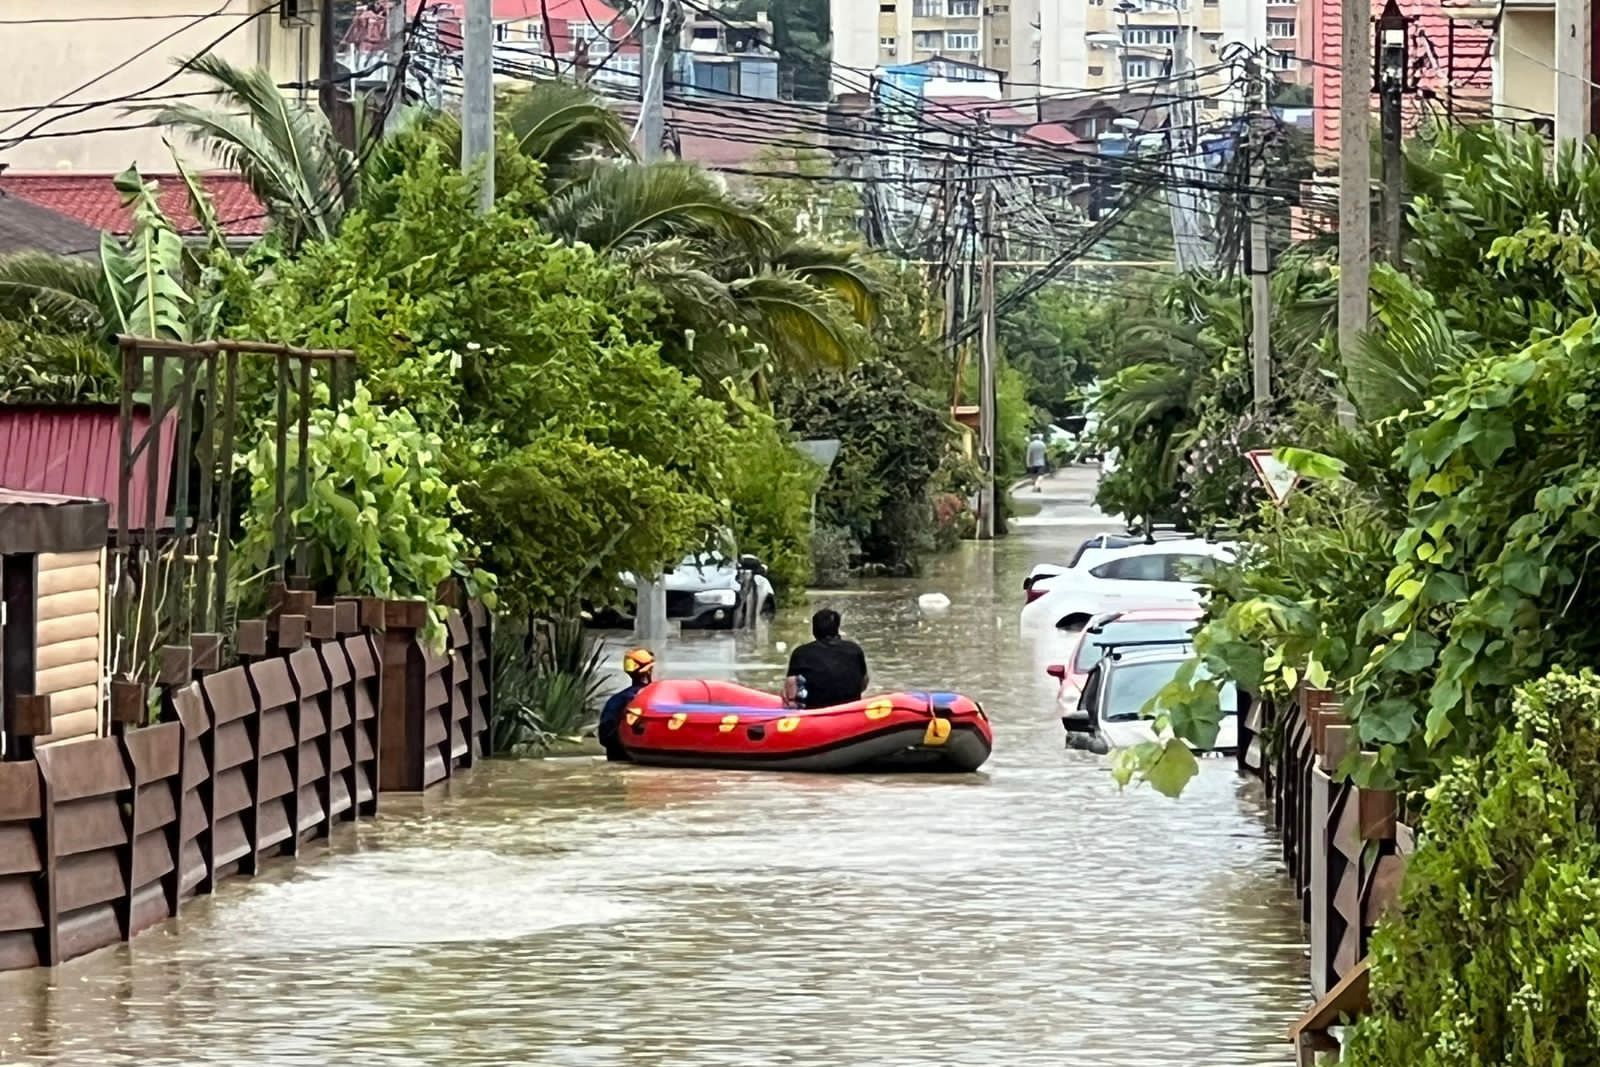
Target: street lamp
{"type": "Point", "coordinates": [1391, 61]}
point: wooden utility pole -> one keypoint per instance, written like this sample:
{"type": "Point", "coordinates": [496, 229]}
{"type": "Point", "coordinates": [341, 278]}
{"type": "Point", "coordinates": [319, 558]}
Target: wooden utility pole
{"type": "Point", "coordinates": [1355, 176]}
{"type": "Point", "coordinates": [477, 99]}
{"type": "Point", "coordinates": [1572, 69]}
{"type": "Point", "coordinates": [987, 394]}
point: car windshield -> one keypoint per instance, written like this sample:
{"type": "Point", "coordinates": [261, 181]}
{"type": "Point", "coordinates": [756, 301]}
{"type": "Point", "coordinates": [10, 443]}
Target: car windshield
{"type": "Point", "coordinates": [1134, 685]}
{"type": "Point", "coordinates": [1090, 652]}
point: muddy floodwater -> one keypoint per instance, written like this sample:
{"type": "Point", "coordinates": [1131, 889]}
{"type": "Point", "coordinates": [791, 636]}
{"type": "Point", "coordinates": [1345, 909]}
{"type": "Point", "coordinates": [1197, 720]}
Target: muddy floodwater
{"type": "Point", "coordinates": [569, 912]}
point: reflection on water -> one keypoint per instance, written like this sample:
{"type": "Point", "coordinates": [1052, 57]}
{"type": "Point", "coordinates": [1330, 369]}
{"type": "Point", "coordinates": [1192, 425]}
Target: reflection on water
{"type": "Point", "coordinates": [570, 912]}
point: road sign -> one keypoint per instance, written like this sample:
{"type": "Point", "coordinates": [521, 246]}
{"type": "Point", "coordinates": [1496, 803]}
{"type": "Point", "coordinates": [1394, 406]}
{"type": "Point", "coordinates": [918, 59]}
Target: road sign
{"type": "Point", "coordinates": [1277, 477]}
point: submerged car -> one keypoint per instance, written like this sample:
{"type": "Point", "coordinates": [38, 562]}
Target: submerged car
{"type": "Point", "coordinates": [1175, 622]}
{"type": "Point", "coordinates": [1139, 576]}
{"type": "Point", "coordinates": [1090, 552]}
{"type": "Point", "coordinates": [1111, 710]}
{"type": "Point", "coordinates": [710, 591]}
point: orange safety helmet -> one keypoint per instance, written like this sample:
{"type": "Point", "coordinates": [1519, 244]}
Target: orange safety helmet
{"type": "Point", "coordinates": [637, 661]}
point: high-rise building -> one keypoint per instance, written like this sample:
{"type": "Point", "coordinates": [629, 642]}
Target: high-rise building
{"type": "Point", "coordinates": [1042, 47]}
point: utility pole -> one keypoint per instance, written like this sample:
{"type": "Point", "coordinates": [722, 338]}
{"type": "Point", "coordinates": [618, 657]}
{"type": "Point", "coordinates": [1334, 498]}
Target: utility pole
{"type": "Point", "coordinates": [1259, 264]}
{"type": "Point", "coordinates": [477, 99]}
{"type": "Point", "coordinates": [1572, 70]}
{"type": "Point", "coordinates": [1393, 33]}
{"type": "Point", "coordinates": [986, 374]}
{"type": "Point", "coordinates": [396, 40]}
{"type": "Point", "coordinates": [652, 80]}
{"type": "Point", "coordinates": [1355, 176]}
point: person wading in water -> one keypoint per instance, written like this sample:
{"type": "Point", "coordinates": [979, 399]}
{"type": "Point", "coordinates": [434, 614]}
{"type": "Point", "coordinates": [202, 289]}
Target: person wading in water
{"type": "Point", "coordinates": [827, 671]}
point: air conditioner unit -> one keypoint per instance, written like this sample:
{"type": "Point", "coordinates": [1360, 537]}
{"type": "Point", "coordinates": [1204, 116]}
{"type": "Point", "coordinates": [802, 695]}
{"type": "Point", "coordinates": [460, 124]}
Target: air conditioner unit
{"type": "Point", "coordinates": [297, 13]}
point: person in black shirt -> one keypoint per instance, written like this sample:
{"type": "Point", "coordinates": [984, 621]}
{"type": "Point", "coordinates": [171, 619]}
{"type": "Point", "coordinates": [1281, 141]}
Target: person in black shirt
{"type": "Point", "coordinates": [827, 671]}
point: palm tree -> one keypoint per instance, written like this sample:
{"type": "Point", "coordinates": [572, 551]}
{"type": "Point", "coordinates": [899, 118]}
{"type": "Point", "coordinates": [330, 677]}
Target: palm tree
{"type": "Point", "coordinates": [305, 179]}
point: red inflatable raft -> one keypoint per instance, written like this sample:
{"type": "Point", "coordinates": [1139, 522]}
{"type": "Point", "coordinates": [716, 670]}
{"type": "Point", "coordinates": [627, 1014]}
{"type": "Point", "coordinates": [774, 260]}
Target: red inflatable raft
{"type": "Point", "coordinates": [719, 724]}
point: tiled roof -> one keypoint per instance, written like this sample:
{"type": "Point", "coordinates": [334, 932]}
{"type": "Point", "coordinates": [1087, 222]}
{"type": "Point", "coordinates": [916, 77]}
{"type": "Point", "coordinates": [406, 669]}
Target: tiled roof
{"type": "Point", "coordinates": [1051, 133]}
{"type": "Point", "coordinates": [93, 200]}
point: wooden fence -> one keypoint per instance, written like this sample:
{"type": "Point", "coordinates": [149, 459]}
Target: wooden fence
{"type": "Point", "coordinates": [104, 837]}
{"type": "Point", "coordinates": [1343, 846]}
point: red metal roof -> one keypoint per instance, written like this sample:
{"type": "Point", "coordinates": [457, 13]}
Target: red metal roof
{"type": "Point", "coordinates": [93, 200]}
{"type": "Point", "coordinates": [73, 449]}
{"type": "Point", "coordinates": [1051, 133]}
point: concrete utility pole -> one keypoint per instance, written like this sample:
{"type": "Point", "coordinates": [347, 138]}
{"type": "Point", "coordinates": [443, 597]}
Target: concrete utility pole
{"type": "Point", "coordinates": [1260, 261]}
{"type": "Point", "coordinates": [1355, 181]}
{"type": "Point", "coordinates": [1572, 69]}
{"type": "Point", "coordinates": [477, 99]}
{"type": "Point", "coordinates": [653, 82]}
{"type": "Point", "coordinates": [396, 40]}
{"type": "Point", "coordinates": [1393, 70]}
{"type": "Point", "coordinates": [327, 59]}
{"type": "Point", "coordinates": [987, 397]}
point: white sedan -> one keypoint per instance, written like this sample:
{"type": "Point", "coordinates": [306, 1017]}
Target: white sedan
{"type": "Point", "coordinates": [1139, 576]}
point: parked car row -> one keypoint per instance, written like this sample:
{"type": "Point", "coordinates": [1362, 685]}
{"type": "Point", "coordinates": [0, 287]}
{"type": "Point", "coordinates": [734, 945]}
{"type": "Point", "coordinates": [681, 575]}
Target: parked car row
{"type": "Point", "coordinates": [1130, 606]}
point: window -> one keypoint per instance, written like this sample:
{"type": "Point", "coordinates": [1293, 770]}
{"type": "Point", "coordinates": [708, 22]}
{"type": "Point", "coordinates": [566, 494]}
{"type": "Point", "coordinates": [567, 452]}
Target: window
{"type": "Point", "coordinates": [960, 41]}
{"type": "Point", "coordinates": [1095, 72]}
{"type": "Point", "coordinates": [1136, 36]}
{"type": "Point", "coordinates": [1002, 42]}
{"type": "Point", "coordinates": [1144, 568]}
{"type": "Point", "coordinates": [928, 9]}
{"type": "Point", "coordinates": [500, 29]}
{"type": "Point", "coordinates": [1163, 35]}
{"type": "Point", "coordinates": [963, 9]}
{"type": "Point", "coordinates": [886, 43]}
{"type": "Point", "coordinates": [1280, 28]}
{"type": "Point", "coordinates": [885, 9]}
{"type": "Point", "coordinates": [927, 40]}
{"type": "Point", "coordinates": [1277, 60]}
{"type": "Point", "coordinates": [1167, 36]}
{"type": "Point", "coordinates": [1136, 68]}
{"type": "Point", "coordinates": [589, 34]}
{"type": "Point", "coordinates": [534, 32]}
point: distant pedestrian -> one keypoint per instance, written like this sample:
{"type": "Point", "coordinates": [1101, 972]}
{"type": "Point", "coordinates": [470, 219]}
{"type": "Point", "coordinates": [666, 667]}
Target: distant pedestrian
{"type": "Point", "coordinates": [1036, 461]}
{"type": "Point", "coordinates": [640, 667]}
{"type": "Point", "coordinates": [827, 671]}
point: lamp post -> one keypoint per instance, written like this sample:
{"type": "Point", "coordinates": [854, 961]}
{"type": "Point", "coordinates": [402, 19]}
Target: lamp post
{"type": "Point", "coordinates": [1390, 62]}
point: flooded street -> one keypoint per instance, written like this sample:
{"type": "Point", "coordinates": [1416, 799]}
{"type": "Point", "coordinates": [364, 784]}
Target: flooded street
{"type": "Point", "coordinates": [571, 912]}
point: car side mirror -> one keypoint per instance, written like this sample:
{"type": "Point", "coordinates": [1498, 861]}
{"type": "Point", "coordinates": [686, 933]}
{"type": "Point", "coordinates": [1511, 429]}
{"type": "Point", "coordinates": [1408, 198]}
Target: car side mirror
{"type": "Point", "coordinates": [1058, 671]}
{"type": "Point", "coordinates": [1077, 722]}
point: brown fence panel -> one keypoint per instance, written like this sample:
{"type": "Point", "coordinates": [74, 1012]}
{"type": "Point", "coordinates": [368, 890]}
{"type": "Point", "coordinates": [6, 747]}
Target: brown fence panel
{"type": "Point", "coordinates": [85, 786]}
{"type": "Point", "coordinates": [188, 707]}
{"type": "Point", "coordinates": [27, 929]}
{"type": "Point", "coordinates": [481, 671]}
{"type": "Point", "coordinates": [463, 748]}
{"type": "Point", "coordinates": [235, 764]}
{"type": "Point", "coordinates": [155, 765]}
{"type": "Point", "coordinates": [366, 682]}
{"type": "Point", "coordinates": [310, 764]}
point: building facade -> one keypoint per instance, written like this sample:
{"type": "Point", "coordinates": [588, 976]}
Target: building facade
{"type": "Point", "coordinates": [1045, 47]}
{"type": "Point", "coordinates": [54, 125]}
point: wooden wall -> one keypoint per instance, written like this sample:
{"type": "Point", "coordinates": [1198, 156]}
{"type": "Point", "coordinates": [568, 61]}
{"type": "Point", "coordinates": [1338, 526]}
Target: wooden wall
{"type": "Point", "coordinates": [69, 656]}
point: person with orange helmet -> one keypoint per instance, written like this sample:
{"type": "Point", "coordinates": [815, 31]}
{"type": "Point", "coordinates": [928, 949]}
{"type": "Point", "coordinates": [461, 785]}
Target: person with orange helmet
{"type": "Point", "coordinates": [639, 664]}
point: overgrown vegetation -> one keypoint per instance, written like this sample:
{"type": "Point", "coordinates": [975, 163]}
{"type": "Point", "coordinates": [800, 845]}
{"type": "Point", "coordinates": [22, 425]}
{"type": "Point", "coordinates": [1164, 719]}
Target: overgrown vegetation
{"type": "Point", "coordinates": [547, 687]}
{"type": "Point", "coordinates": [1492, 957]}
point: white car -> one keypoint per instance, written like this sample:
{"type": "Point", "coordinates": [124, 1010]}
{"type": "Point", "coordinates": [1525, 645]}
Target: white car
{"type": "Point", "coordinates": [1094, 549]}
{"type": "Point", "coordinates": [1138, 576]}
{"type": "Point", "coordinates": [705, 590]}
{"type": "Point", "coordinates": [1111, 711]}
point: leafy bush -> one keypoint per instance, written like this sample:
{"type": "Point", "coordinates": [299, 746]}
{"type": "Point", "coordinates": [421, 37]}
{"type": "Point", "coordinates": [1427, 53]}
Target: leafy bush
{"type": "Point", "coordinates": [579, 454]}
{"type": "Point", "coordinates": [546, 687]}
{"type": "Point", "coordinates": [377, 520]}
{"type": "Point", "coordinates": [833, 551]}
{"type": "Point", "coordinates": [41, 366]}
{"type": "Point", "coordinates": [1492, 957]}
{"type": "Point", "coordinates": [770, 489]}
{"type": "Point", "coordinates": [894, 438]}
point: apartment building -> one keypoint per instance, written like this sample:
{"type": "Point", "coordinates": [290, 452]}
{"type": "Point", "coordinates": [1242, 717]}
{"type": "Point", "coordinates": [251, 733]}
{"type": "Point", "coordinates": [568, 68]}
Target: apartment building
{"type": "Point", "coordinates": [1045, 46]}
{"type": "Point", "coordinates": [53, 121]}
